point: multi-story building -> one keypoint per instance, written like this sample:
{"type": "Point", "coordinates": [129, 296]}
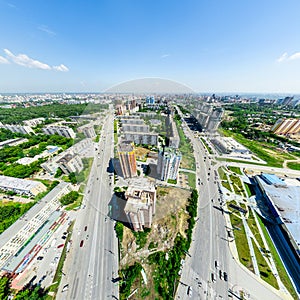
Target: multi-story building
{"type": "Point", "coordinates": [140, 138]}
{"type": "Point", "coordinates": [132, 120]}
{"type": "Point", "coordinates": [70, 163]}
{"type": "Point", "coordinates": [60, 130]}
{"type": "Point", "coordinates": [52, 164]}
{"type": "Point", "coordinates": [168, 163]}
{"type": "Point", "coordinates": [135, 127]}
{"type": "Point", "coordinates": [33, 122]}
{"type": "Point", "coordinates": [286, 126]}
{"type": "Point", "coordinates": [140, 203]}
{"type": "Point", "coordinates": [173, 139]}
{"type": "Point", "coordinates": [21, 186]}
{"type": "Point", "coordinates": [88, 130]}
{"type": "Point", "coordinates": [17, 128]}
{"type": "Point", "coordinates": [127, 159]}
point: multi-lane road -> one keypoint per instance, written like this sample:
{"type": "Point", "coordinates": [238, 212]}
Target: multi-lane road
{"type": "Point", "coordinates": [210, 252]}
{"type": "Point", "coordinates": [92, 262]}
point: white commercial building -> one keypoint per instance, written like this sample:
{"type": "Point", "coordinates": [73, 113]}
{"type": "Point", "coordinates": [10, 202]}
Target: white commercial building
{"type": "Point", "coordinates": [21, 186]}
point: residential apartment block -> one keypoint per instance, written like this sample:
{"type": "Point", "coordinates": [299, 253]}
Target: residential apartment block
{"type": "Point", "coordinates": [173, 138]}
{"type": "Point", "coordinates": [70, 163]}
{"type": "Point", "coordinates": [127, 159]}
{"type": "Point", "coordinates": [60, 130]}
{"type": "Point", "coordinates": [168, 163]}
{"type": "Point", "coordinates": [17, 128]}
{"type": "Point", "coordinates": [140, 138]}
{"type": "Point", "coordinates": [286, 126]}
{"type": "Point", "coordinates": [140, 203]}
{"type": "Point", "coordinates": [88, 131]}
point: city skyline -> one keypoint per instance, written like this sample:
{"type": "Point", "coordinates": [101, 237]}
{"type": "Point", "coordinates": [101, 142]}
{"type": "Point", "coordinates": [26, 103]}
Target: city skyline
{"type": "Point", "coordinates": [207, 46]}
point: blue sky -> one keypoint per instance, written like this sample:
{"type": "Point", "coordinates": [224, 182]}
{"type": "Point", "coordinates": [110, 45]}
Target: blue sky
{"type": "Point", "coordinates": [209, 45]}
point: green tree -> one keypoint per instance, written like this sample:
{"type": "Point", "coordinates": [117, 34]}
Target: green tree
{"type": "Point", "coordinates": [4, 287]}
{"type": "Point", "coordinates": [69, 198]}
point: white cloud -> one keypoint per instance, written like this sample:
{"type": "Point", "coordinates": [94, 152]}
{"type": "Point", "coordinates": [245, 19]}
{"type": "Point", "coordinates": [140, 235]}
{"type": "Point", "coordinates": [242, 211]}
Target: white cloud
{"type": "Point", "coordinates": [47, 30]}
{"type": "Point", "coordinates": [3, 60]}
{"type": "Point", "coordinates": [165, 55]}
{"type": "Point", "coordinates": [285, 57]}
{"type": "Point", "coordinates": [26, 61]}
{"type": "Point", "coordinates": [295, 56]}
{"type": "Point", "coordinates": [61, 68]}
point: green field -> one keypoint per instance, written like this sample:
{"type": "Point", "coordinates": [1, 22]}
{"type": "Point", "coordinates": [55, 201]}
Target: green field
{"type": "Point", "coordinates": [264, 270]}
{"type": "Point", "coordinates": [241, 242]}
{"type": "Point", "coordinates": [293, 166]}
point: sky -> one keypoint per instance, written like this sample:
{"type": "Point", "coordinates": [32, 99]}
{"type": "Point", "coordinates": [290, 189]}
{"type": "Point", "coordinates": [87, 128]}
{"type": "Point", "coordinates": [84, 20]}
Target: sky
{"type": "Point", "coordinates": [207, 45]}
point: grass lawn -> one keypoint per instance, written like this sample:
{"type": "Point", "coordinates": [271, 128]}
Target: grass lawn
{"type": "Point", "coordinates": [222, 174]}
{"type": "Point", "coordinates": [206, 146]}
{"type": "Point", "coordinates": [263, 150]}
{"type": "Point", "coordinates": [264, 270]}
{"type": "Point", "coordinates": [248, 190]}
{"type": "Point", "coordinates": [185, 147]}
{"type": "Point", "coordinates": [191, 179]}
{"type": "Point", "coordinates": [237, 185]}
{"type": "Point", "coordinates": [236, 170]}
{"type": "Point", "coordinates": [279, 265]}
{"type": "Point", "coordinates": [226, 185]}
{"type": "Point", "coordinates": [241, 242]}
{"type": "Point", "coordinates": [253, 226]}
{"type": "Point", "coordinates": [293, 166]}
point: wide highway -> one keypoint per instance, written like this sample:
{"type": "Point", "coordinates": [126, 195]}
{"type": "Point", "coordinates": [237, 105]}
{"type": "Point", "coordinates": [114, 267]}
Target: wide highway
{"type": "Point", "coordinates": [93, 259]}
{"type": "Point", "coordinates": [209, 255]}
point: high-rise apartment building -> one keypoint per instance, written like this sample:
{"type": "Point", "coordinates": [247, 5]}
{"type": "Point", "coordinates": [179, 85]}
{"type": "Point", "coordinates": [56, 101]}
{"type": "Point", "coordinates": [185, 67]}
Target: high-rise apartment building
{"type": "Point", "coordinates": [168, 163]}
{"type": "Point", "coordinates": [140, 203]}
{"type": "Point", "coordinates": [286, 126]}
{"type": "Point", "coordinates": [127, 159]}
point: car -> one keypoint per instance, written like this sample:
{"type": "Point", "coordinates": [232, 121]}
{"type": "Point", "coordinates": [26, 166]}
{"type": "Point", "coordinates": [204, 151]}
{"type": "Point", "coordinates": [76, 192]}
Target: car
{"type": "Point", "coordinates": [63, 237]}
{"type": "Point", "coordinates": [213, 277]}
{"type": "Point", "coordinates": [220, 274]}
{"type": "Point", "coordinates": [61, 245]}
{"type": "Point", "coordinates": [225, 276]}
{"type": "Point", "coordinates": [217, 264]}
{"type": "Point", "coordinates": [81, 243]}
{"type": "Point", "coordinates": [40, 257]}
{"type": "Point", "coordinates": [85, 228]}
{"type": "Point", "coordinates": [190, 291]}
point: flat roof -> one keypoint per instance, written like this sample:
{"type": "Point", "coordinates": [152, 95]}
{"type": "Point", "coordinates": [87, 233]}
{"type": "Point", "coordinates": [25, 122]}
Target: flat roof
{"type": "Point", "coordinates": [17, 183]}
{"type": "Point", "coordinates": [287, 201]}
{"type": "Point", "coordinates": [272, 179]}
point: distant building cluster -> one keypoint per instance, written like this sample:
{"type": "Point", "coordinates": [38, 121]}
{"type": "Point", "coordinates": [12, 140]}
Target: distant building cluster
{"type": "Point", "coordinates": [21, 186]}
{"type": "Point", "coordinates": [140, 203]}
{"type": "Point", "coordinates": [286, 126]}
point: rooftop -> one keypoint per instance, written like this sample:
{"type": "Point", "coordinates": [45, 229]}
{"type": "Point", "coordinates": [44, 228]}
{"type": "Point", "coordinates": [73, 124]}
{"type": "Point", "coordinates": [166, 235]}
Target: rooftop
{"type": "Point", "coordinates": [287, 201]}
{"type": "Point", "coordinates": [16, 183]}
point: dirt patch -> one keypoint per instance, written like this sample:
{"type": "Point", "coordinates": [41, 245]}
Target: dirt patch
{"type": "Point", "coordinates": [170, 219]}
{"type": "Point", "coordinates": [141, 153]}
